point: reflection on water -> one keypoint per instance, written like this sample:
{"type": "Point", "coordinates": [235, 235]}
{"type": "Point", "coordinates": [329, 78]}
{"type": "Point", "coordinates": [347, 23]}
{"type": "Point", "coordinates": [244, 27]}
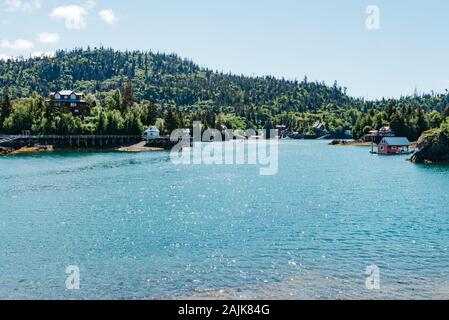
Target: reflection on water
{"type": "Point", "coordinates": [139, 227]}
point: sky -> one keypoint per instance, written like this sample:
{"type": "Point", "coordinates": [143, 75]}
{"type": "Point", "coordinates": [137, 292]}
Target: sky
{"type": "Point", "coordinates": [374, 48]}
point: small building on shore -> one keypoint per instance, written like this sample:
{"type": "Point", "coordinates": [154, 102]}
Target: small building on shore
{"type": "Point", "coordinates": [348, 134]}
{"type": "Point", "coordinates": [393, 145]}
{"type": "Point", "coordinates": [386, 132]}
{"type": "Point", "coordinates": [377, 135]}
{"type": "Point", "coordinates": [319, 128]}
{"type": "Point", "coordinates": [152, 133]}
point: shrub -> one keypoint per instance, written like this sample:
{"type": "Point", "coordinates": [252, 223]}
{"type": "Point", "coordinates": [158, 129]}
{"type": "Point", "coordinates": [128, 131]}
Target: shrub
{"type": "Point", "coordinates": [445, 127]}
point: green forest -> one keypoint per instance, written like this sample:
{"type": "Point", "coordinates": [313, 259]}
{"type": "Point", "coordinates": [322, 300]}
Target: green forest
{"type": "Point", "coordinates": [128, 91]}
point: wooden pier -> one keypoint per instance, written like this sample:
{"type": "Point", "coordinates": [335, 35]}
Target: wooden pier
{"type": "Point", "coordinates": [76, 141]}
{"type": "Point", "coordinates": [84, 141]}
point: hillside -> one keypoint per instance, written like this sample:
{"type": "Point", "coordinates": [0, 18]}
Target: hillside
{"type": "Point", "coordinates": [160, 78]}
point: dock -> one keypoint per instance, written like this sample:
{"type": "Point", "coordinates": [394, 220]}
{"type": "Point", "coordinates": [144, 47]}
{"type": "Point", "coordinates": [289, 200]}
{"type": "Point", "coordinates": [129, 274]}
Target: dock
{"type": "Point", "coordinates": [79, 141]}
{"type": "Point", "coordinates": [86, 141]}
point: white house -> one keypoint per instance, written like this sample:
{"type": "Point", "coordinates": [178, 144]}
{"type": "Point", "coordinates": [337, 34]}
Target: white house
{"type": "Point", "coordinates": [348, 134]}
{"type": "Point", "coordinates": [152, 133]}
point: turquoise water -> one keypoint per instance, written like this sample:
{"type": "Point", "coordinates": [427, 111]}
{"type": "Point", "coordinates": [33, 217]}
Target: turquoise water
{"type": "Point", "coordinates": [140, 227]}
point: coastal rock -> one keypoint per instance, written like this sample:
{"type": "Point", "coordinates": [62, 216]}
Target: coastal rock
{"type": "Point", "coordinates": [335, 142]}
{"type": "Point", "coordinates": [348, 143]}
{"type": "Point", "coordinates": [338, 142]}
{"type": "Point", "coordinates": [433, 147]}
{"type": "Point", "coordinates": [5, 150]}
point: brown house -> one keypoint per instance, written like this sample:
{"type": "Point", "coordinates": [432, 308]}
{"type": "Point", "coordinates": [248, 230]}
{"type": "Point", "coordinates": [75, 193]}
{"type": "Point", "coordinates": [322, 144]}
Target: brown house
{"type": "Point", "coordinates": [71, 101]}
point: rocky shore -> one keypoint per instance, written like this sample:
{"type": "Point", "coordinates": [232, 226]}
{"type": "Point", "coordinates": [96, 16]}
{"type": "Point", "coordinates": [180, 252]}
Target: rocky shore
{"type": "Point", "coordinates": [433, 147]}
{"type": "Point", "coordinates": [29, 149]}
{"type": "Point", "coordinates": [5, 150]}
{"type": "Point", "coordinates": [350, 143]}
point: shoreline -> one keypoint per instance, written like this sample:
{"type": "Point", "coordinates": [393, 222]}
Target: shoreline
{"type": "Point", "coordinates": [355, 143]}
{"type": "Point", "coordinates": [133, 148]}
{"type": "Point", "coordinates": [349, 143]}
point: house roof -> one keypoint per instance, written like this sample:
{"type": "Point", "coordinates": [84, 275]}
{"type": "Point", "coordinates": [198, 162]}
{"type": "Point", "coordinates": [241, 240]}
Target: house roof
{"type": "Point", "coordinates": [397, 141]}
{"type": "Point", "coordinates": [67, 93]}
{"type": "Point", "coordinates": [153, 129]}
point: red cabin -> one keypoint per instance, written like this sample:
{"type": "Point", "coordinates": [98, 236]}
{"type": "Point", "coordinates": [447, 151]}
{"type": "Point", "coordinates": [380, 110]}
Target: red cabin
{"type": "Point", "coordinates": [393, 145]}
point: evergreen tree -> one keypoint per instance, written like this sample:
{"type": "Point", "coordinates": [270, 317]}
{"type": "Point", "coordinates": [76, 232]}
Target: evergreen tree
{"type": "Point", "coordinates": [102, 125]}
{"type": "Point", "coordinates": [133, 124]}
{"type": "Point", "coordinates": [116, 100]}
{"type": "Point", "coordinates": [398, 125]}
{"type": "Point", "coordinates": [170, 121]}
{"type": "Point", "coordinates": [5, 107]}
{"type": "Point", "coordinates": [128, 96]}
{"type": "Point", "coordinates": [421, 123]}
{"type": "Point", "coordinates": [152, 114]}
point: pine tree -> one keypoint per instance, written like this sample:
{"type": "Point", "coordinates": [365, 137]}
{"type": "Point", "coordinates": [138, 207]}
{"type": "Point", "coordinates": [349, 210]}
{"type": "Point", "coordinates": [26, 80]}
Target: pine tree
{"type": "Point", "coordinates": [170, 121]}
{"type": "Point", "coordinates": [152, 113]}
{"type": "Point", "coordinates": [421, 123]}
{"type": "Point", "coordinates": [6, 107]}
{"type": "Point", "coordinates": [398, 125]}
{"type": "Point", "coordinates": [116, 100]}
{"type": "Point", "coordinates": [180, 120]}
{"type": "Point", "coordinates": [128, 96]}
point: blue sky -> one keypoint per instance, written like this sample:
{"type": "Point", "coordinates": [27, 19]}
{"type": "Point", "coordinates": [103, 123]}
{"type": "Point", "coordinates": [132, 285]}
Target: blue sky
{"type": "Point", "coordinates": [325, 40]}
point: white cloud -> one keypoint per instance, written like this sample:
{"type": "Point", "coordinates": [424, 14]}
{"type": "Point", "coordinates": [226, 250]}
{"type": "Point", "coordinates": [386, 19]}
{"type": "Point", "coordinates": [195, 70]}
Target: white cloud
{"type": "Point", "coordinates": [17, 45]}
{"type": "Point", "coordinates": [107, 16]}
{"type": "Point", "coordinates": [40, 54]}
{"type": "Point", "coordinates": [24, 6]}
{"type": "Point", "coordinates": [75, 16]}
{"type": "Point", "coordinates": [48, 38]}
{"type": "Point", "coordinates": [4, 57]}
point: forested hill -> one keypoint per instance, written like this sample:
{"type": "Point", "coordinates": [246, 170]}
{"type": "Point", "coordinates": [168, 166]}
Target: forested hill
{"type": "Point", "coordinates": [161, 78]}
{"type": "Point", "coordinates": [130, 90]}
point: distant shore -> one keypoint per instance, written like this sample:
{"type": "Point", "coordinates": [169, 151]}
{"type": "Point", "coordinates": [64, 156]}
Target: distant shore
{"type": "Point", "coordinates": [350, 143]}
{"type": "Point", "coordinates": [357, 143]}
